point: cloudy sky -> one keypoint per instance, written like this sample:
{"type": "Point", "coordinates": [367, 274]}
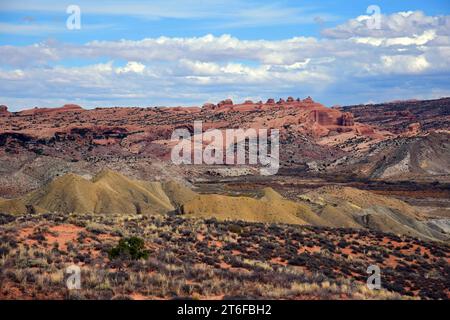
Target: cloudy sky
{"type": "Point", "coordinates": [164, 52]}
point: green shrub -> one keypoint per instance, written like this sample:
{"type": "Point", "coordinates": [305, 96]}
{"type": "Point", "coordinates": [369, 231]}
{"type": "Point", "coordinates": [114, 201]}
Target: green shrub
{"type": "Point", "coordinates": [129, 248]}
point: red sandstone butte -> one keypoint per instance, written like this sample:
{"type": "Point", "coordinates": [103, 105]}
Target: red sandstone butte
{"type": "Point", "coordinates": [4, 110]}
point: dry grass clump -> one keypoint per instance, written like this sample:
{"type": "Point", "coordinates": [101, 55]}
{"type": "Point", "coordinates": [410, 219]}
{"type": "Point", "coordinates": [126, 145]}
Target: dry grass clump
{"type": "Point", "coordinates": [211, 259]}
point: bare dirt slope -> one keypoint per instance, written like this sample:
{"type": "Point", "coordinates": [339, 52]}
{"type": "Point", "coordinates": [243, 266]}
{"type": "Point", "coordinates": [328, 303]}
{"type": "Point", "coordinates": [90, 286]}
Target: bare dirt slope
{"type": "Point", "coordinates": [106, 193]}
{"type": "Point", "coordinates": [112, 193]}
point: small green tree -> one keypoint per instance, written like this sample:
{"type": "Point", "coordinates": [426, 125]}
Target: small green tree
{"type": "Point", "coordinates": [129, 248]}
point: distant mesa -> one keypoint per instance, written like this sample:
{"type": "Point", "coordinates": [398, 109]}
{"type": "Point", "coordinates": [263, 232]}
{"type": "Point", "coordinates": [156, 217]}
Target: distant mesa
{"type": "Point", "coordinates": [71, 107]}
{"type": "Point", "coordinates": [64, 108]}
{"type": "Point", "coordinates": [402, 101]}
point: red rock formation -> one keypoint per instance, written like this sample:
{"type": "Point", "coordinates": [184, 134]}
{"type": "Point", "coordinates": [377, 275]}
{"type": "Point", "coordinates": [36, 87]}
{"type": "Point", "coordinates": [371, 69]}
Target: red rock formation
{"type": "Point", "coordinates": [325, 117]}
{"type": "Point", "coordinates": [413, 129]}
{"type": "Point", "coordinates": [347, 119]}
{"type": "Point", "coordinates": [209, 106]}
{"type": "Point", "coordinates": [308, 100]}
{"type": "Point", "coordinates": [145, 131]}
{"type": "Point", "coordinates": [226, 102]}
{"type": "Point", "coordinates": [364, 130]}
{"type": "Point", "coordinates": [65, 108]}
{"type": "Point", "coordinates": [405, 113]}
{"type": "Point", "coordinates": [290, 99]}
{"type": "Point", "coordinates": [270, 101]}
{"type": "Point", "coordinates": [4, 110]}
{"type": "Point", "coordinates": [71, 106]}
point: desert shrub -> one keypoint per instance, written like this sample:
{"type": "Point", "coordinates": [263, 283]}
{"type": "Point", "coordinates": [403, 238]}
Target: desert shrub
{"type": "Point", "coordinates": [38, 236]}
{"type": "Point", "coordinates": [342, 244]}
{"type": "Point", "coordinates": [96, 228]}
{"type": "Point", "coordinates": [299, 260]}
{"type": "Point", "coordinates": [437, 253]}
{"type": "Point", "coordinates": [4, 250]}
{"type": "Point", "coordinates": [119, 278]}
{"type": "Point", "coordinates": [131, 248]}
{"type": "Point", "coordinates": [6, 218]}
{"type": "Point", "coordinates": [165, 236]}
{"type": "Point", "coordinates": [39, 151]}
{"type": "Point", "coordinates": [236, 228]}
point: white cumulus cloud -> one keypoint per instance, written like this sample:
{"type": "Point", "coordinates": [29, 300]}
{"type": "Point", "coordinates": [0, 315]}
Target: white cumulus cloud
{"type": "Point", "coordinates": [350, 62]}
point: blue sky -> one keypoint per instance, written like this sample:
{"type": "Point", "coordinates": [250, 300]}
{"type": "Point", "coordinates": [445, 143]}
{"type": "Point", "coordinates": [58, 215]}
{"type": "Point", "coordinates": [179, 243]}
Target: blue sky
{"type": "Point", "coordinates": [259, 21]}
{"type": "Point", "coordinates": [189, 52]}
